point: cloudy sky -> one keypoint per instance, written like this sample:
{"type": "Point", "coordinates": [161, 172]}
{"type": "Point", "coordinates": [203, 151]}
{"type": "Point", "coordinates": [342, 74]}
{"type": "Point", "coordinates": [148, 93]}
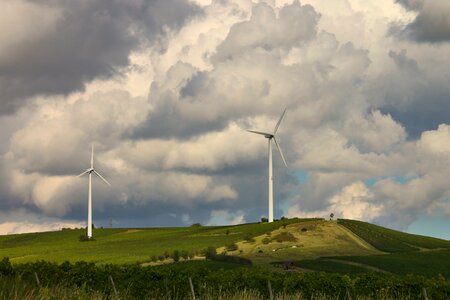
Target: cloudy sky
{"type": "Point", "coordinates": [166, 88]}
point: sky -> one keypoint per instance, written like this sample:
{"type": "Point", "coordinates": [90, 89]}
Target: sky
{"type": "Point", "coordinates": [165, 90]}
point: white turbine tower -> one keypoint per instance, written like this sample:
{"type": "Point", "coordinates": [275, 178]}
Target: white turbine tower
{"type": "Point", "coordinates": [90, 171]}
{"type": "Point", "coordinates": [270, 137]}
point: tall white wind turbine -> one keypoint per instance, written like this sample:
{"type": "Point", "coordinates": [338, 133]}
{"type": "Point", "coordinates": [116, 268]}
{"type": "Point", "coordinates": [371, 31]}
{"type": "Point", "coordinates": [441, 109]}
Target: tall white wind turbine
{"type": "Point", "coordinates": [270, 137]}
{"type": "Point", "coordinates": [90, 171]}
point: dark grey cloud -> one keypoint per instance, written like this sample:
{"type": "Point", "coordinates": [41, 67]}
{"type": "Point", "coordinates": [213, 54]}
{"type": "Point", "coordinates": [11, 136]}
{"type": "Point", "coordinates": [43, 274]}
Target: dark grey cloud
{"type": "Point", "coordinates": [432, 23]}
{"type": "Point", "coordinates": [413, 98]}
{"type": "Point", "coordinates": [88, 40]}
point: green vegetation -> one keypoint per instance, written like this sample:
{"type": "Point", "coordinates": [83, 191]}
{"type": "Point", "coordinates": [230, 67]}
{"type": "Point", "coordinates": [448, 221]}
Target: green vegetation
{"type": "Point", "coordinates": [59, 281]}
{"type": "Point", "coordinates": [284, 237]}
{"type": "Point", "coordinates": [331, 266]}
{"type": "Point", "coordinates": [125, 245]}
{"type": "Point", "coordinates": [427, 263]}
{"type": "Point", "coordinates": [389, 240]}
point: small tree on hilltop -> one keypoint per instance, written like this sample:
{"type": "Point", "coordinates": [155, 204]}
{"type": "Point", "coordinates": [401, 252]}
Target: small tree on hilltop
{"type": "Point", "coordinates": [331, 216]}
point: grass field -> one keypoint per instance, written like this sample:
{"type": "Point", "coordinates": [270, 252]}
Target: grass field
{"type": "Point", "coordinates": [125, 245]}
{"type": "Point", "coordinates": [427, 263]}
{"type": "Point", "coordinates": [313, 239]}
{"type": "Point", "coordinates": [389, 240]}
{"type": "Point", "coordinates": [346, 246]}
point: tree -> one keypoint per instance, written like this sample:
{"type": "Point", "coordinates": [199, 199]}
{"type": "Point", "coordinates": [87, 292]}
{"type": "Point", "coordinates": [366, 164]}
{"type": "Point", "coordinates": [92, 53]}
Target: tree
{"type": "Point", "coordinates": [331, 216]}
{"type": "Point", "coordinates": [176, 255]}
{"type": "Point", "coordinates": [264, 220]}
{"type": "Point", "coordinates": [184, 254]}
{"type": "Point", "coordinates": [210, 252]}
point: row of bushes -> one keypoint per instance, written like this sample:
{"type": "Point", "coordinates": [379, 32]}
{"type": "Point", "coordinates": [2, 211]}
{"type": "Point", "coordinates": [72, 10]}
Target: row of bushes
{"type": "Point", "coordinates": [153, 282]}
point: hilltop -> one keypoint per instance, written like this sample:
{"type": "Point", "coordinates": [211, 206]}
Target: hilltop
{"type": "Point", "coordinates": [344, 246]}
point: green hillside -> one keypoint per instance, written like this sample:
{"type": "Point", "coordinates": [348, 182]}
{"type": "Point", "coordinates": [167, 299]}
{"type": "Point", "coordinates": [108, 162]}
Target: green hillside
{"type": "Point", "coordinates": [345, 246]}
{"type": "Point", "coordinates": [427, 263]}
{"type": "Point", "coordinates": [389, 240]}
{"type": "Point", "coordinates": [125, 245]}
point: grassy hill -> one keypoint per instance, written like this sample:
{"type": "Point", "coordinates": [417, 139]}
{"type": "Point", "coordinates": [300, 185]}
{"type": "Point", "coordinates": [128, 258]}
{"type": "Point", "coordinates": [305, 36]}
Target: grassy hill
{"type": "Point", "coordinates": [343, 246]}
{"type": "Point", "coordinates": [403, 253]}
{"type": "Point", "coordinates": [389, 240]}
{"type": "Point", "coordinates": [125, 245]}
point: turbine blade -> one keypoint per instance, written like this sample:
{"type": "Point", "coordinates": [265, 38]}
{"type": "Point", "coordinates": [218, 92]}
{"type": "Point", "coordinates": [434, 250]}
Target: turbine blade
{"type": "Point", "coordinates": [260, 132]}
{"type": "Point", "coordinates": [102, 178]}
{"type": "Point", "coordinates": [279, 121]}
{"type": "Point", "coordinates": [85, 172]}
{"type": "Point", "coordinates": [92, 156]}
{"type": "Point", "coordinates": [279, 149]}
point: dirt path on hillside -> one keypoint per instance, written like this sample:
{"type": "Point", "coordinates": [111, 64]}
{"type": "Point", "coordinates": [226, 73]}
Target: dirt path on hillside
{"type": "Point", "coordinates": [356, 238]}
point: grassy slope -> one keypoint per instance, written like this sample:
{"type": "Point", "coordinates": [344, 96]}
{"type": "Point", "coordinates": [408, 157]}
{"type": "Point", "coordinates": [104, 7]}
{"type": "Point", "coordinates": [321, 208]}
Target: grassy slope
{"type": "Point", "coordinates": [408, 253]}
{"type": "Point", "coordinates": [389, 240]}
{"type": "Point", "coordinates": [123, 245]}
{"type": "Point", "coordinates": [321, 238]}
{"type": "Point", "coordinates": [349, 252]}
{"type": "Point", "coordinates": [427, 263]}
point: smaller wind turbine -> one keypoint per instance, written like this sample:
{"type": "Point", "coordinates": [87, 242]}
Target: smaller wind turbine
{"type": "Point", "coordinates": [270, 137]}
{"type": "Point", "coordinates": [90, 171]}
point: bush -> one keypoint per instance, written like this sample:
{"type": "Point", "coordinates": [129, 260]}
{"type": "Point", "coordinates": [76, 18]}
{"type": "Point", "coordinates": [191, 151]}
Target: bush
{"type": "Point", "coordinates": [232, 247]}
{"type": "Point", "coordinates": [264, 220]}
{"type": "Point", "coordinates": [284, 237]}
{"type": "Point", "coordinates": [176, 255]}
{"type": "Point", "coordinates": [196, 225]}
{"type": "Point", "coordinates": [166, 254]}
{"type": "Point", "coordinates": [210, 252]}
{"type": "Point", "coordinates": [266, 240]}
{"type": "Point", "coordinates": [304, 229]}
{"type": "Point", "coordinates": [5, 267]}
{"type": "Point", "coordinates": [249, 238]}
{"type": "Point", "coordinates": [184, 254]}
{"type": "Point", "coordinates": [154, 258]}
{"type": "Point", "coordinates": [84, 238]}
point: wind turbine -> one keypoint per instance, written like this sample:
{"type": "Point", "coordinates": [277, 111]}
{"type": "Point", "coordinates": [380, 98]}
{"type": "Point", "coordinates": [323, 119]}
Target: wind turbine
{"type": "Point", "coordinates": [90, 171]}
{"type": "Point", "coordinates": [270, 137]}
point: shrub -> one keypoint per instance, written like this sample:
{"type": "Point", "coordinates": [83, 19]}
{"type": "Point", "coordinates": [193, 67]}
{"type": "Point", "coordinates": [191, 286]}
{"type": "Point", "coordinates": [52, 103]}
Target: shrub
{"type": "Point", "coordinates": [166, 254]}
{"type": "Point", "coordinates": [154, 258]}
{"type": "Point", "coordinates": [84, 238]}
{"type": "Point", "coordinates": [210, 252]}
{"type": "Point", "coordinates": [304, 229]}
{"type": "Point", "coordinates": [184, 254]}
{"type": "Point", "coordinates": [227, 232]}
{"type": "Point", "coordinates": [176, 255]}
{"type": "Point", "coordinates": [196, 225]}
{"type": "Point", "coordinates": [5, 267]}
{"type": "Point", "coordinates": [232, 247]}
{"type": "Point", "coordinates": [264, 220]}
{"type": "Point", "coordinates": [266, 240]}
{"type": "Point", "coordinates": [284, 237]}
{"type": "Point", "coordinates": [249, 238]}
